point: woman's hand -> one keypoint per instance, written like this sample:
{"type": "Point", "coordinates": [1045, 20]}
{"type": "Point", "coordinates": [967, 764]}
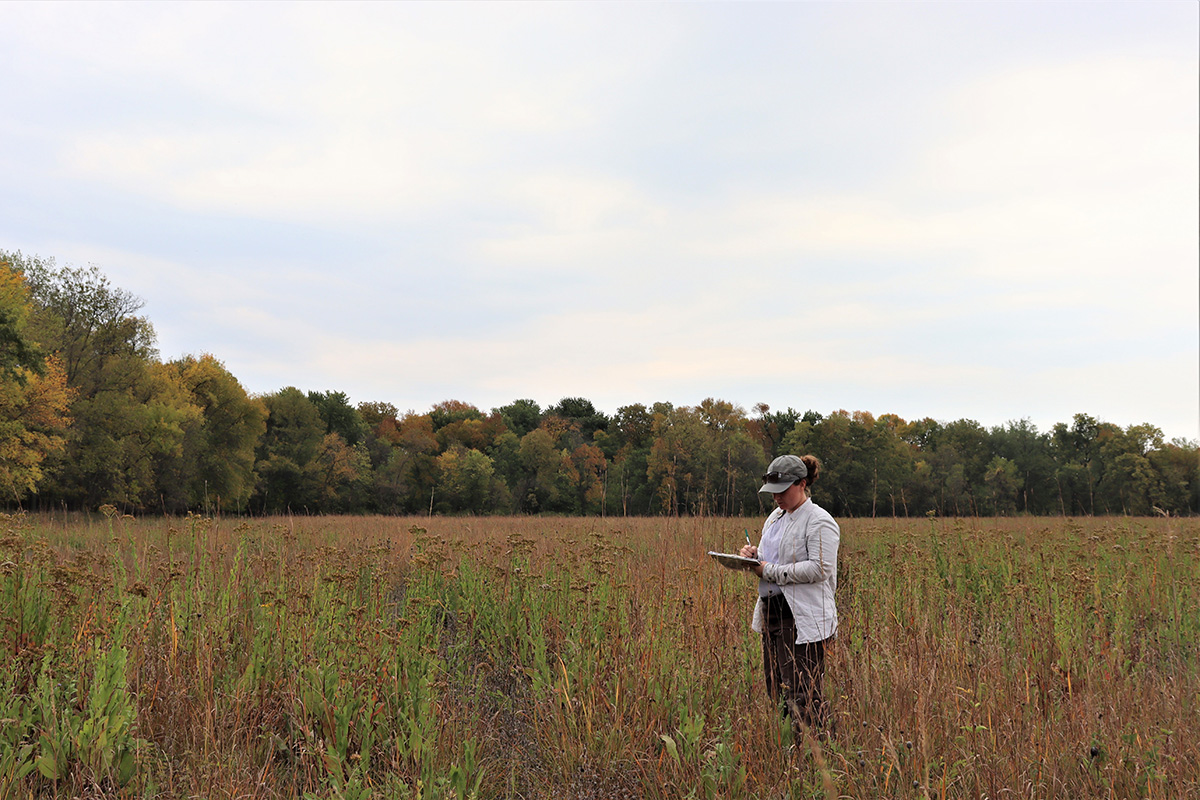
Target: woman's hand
{"type": "Point", "coordinates": [750, 551]}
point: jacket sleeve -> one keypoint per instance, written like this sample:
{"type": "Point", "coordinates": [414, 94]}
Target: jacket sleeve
{"type": "Point", "coordinates": [821, 537]}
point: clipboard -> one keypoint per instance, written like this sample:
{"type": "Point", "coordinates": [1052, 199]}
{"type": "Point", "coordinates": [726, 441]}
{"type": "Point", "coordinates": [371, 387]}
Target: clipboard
{"type": "Point", "coordinates": [734, 561]}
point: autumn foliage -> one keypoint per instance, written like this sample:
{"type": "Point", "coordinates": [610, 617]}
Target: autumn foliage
{"type": "Point", "coordinates": [90, 415]}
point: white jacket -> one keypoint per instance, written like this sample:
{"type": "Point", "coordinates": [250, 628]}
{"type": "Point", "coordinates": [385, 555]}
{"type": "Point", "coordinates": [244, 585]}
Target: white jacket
{"type": "Point", "coordinates": [806, 572]}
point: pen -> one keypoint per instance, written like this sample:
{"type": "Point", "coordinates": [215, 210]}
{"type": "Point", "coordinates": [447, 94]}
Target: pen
{"type": "Point", "coordinates": [746, 531]}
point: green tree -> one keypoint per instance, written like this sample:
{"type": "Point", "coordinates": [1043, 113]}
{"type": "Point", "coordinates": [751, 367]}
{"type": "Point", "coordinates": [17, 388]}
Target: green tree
{"type": "Point", "coordinates": [128, 416]}
{"type": "Point", "coordinates": [1004, 480]}
{"type": "Point", "coordinates": [626, 445]}
{"type": "Point", "coordinates": [581, 417]}
{"type": "Point", "coordinates": [1029, 451]}
{"type": "Point", "coordinates": [1177, 464]}
{"type": "Point", "coordinates": [520, 416]}
{"type": "Point", "coordinates": [1128, 480]}
{"type": "Point", "coordinates": [633, 425]}
{"type": "Point", "coordinates": [218, 463]}
{"type": "Point", "coordinates": [284, 458]}
{"type": "Point", "coordinates": [505, 452]}
{"type": "Point", "coordinates": [830, 441]}
{"type": "Point", "coordinates": [168, 425]}
{"type": "Point", "coordinates": [736, 459]}
{"type": "Point", "coordinates": [467, 482]}
{"type": "Point", "coordinates": [339, 416]}
{"type": "Point", "coordinates": [1075, 450]}
{"type": "Point", "coordinates": [18, 354]}
{"type": "Point", "coordinates": [770, 428]}
{"type": "Point", "coordinates": [961, 455]}
{"type": "Point", "coordinates": [681, 459]}
{"type": "Point", "coordinates": [549, 479]}
{"type": "Point", "coordinates": [1133, 482]}
{"type": "Point", "coordinates": [91, 324]}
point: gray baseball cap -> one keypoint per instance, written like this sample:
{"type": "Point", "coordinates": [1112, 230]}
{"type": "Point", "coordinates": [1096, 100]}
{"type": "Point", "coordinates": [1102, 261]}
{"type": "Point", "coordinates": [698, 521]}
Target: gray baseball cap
{"type": "Point", "coordinates": [783, 472]}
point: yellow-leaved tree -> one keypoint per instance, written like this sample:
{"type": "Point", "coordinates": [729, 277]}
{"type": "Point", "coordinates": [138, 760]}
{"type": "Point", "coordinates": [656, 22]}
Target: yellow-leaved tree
{"type": "Point", "coordinates": [34, 397]}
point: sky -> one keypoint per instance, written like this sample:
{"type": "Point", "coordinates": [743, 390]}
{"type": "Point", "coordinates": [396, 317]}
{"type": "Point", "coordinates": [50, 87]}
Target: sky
{"type": "Point", "coordinates": [951, 210]}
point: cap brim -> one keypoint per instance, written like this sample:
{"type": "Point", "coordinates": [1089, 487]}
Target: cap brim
{"type": "Point", "coordinates": [775, 488]}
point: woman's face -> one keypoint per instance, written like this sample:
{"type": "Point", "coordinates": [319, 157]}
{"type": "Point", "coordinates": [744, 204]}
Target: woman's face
{"type": "Point", "coordinates": [790, 498]}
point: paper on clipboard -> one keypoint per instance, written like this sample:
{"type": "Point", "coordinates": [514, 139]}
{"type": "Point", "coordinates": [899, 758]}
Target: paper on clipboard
{"type": "Point", "coordinates": [734, 561]}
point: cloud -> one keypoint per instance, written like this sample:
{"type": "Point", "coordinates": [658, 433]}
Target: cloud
{"type": "Point", "coordinates": [424, 200]}
{"type": "Point", "coordinates": [341, 115]}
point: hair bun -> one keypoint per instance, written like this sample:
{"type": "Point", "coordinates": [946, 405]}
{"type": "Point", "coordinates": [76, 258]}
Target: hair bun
{"type": "Point", "coordinates": [813, 465]}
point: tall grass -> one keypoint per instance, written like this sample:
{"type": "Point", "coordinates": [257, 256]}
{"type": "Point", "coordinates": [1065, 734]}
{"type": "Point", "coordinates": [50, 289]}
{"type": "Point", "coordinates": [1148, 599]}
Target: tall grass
{"type": "Point", "coordinates": [588, 658]}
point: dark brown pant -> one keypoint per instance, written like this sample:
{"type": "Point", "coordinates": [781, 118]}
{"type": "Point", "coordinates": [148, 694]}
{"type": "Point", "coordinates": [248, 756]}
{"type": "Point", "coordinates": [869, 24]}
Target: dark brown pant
{"type": "Point", "coordinates": [793, 671]}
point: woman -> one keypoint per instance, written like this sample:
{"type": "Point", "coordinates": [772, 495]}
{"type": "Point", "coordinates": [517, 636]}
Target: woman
{"type": "Point", "coordinates": [797, 573]}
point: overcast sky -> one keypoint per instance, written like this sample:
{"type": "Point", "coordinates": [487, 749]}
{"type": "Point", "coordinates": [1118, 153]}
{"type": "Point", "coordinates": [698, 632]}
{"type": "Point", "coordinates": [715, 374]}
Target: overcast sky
{"type": "Point", "coordinates": [980, 210]}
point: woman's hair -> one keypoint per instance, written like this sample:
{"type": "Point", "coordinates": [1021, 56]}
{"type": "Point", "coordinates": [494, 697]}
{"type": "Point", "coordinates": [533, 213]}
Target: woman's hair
{"type": "Point", "coordinates": [814, 469]}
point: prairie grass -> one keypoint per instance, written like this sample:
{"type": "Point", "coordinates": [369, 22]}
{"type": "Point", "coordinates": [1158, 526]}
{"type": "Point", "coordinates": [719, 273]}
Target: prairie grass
{"type": "Point", "coordinates": [542, 657]}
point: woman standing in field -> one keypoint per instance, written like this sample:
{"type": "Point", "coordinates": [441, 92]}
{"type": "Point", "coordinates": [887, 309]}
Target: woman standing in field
{"type": "Point", "coordinates": [797, 569]}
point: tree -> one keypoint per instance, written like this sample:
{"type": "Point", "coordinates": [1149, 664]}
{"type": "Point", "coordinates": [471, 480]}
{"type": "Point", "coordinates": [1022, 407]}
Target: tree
{"type": "Point", "coordinates": [376, 413]}
{"type": "Point", "coordinates": [18, 354]}
{"type": "Point", "coordinates": [284, 457]}
{"type": "Point", "coordinates": [737, 459]}
{"type": "Point", "coordinates": [339, 416]}
{"type": "Point", "coordinates": [127, 417]}
{"type": "Point", "coordinates": [340, 474]}
{"type": "Point", "coordinates": [404, 480]}
{"type": "Point", "coordinates": [505, 452]}
{"type": "Point", "coordinates": [34, 397]}
{"type": "Point", "coordinates": [590, 470]}
{"type": "Point", "coordinates": [829, 441]}
{"type": "Point", "coordinates": [626, 444]}
{"type": "Point", "coordinates": [961, 455]}
{"type": "Point", "coordinates": [33, 421]}
{"type": "Point", "coordinates": [770, 428]}
{"type": "Point", "coordinates": [1075, 451]}
{"type": "Point", "coordinates": [90, 323]}
{"type": "Point", "coordinates": [634, 425]}
{"type": "Point", "coordinates": [581, 415]}
{"type": "Point", "coordinates": [1177, 464]}
{"type": "Point", "coordinates": [1004, 480]}
{"type": "Point", "coordinates": [681, 459]}
{"type": "Point", "coordinates": [449, 411]}
{"type": "Point", "coordinates": [1127, 475]}
{"type": "Point", "coordinates": [520, 416]}
{"type": "Point", "coordinates": [471, 433]}
{"type": "Point", "coordinates": [549, 478]}
{"type": "Point", "coordinates": [1020, 443]}
{"type": "Point", "coordinates": [1134, 482]}
{"type": "Point", "coordinates": [383, 431]}
{"type": "Point", "coordinates": [467, 482]}
{"type": "Point", "coordinates": [168, 424]}
{"type": "Point", "coordinates": [219, 469]}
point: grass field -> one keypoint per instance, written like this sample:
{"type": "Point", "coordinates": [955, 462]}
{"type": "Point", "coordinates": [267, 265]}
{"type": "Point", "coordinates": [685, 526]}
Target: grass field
{"type": "Point", "coordinates": [588, 658]}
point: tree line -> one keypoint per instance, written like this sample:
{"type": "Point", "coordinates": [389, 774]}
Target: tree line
{"type": "Point", "coordinates": [90, 415]}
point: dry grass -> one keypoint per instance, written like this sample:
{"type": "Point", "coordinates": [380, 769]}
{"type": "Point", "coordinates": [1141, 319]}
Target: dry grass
{"type": "Point", "coordinates": [589, 658]}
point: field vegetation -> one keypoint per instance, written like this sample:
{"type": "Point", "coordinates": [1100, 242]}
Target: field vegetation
{"type": "Point", "coordinates": [571, 657]}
